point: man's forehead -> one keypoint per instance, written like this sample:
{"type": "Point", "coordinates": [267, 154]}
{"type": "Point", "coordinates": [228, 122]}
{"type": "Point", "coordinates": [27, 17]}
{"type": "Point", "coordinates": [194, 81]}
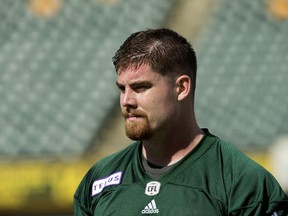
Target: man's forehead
{"type": "Point", "coordinates": [131, 74]}
{"type": "Point", "coordinates": [135, 68]}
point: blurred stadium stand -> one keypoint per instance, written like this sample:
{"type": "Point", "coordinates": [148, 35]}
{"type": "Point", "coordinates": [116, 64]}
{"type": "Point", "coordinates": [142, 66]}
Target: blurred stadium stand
{"type": "Point", "coordinates": [57, 90]}
{"type": "Point", "coordinates": [58, 95]}
{"type": "Point", "coordinates": [243, 79]}
{"type": "Point", "coordinates": [57, 80]}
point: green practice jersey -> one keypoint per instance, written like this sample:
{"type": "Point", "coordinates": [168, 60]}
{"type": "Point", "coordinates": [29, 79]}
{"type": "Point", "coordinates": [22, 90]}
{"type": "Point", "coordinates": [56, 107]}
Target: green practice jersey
{"type": "Point", "coordinates": [213, 179]}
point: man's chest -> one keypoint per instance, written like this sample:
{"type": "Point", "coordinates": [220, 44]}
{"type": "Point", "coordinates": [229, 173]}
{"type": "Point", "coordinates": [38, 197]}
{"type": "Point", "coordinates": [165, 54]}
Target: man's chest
{"type": "Point", "coordinates": [155, 198]}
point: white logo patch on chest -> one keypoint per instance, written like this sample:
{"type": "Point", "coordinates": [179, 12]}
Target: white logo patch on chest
{"type": "Point", "coordinates": [152, 188]}
{"type": "Point", "coordinates": [100, 184]}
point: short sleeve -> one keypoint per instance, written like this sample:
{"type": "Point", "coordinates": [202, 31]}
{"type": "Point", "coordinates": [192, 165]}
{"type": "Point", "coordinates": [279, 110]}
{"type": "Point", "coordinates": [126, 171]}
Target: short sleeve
{"type": "Point", "coordinates": [256, 192]}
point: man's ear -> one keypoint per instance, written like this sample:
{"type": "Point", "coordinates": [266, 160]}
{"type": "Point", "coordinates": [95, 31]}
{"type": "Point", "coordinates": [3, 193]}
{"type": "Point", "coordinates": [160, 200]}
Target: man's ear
{"type": "Point", "coordinates": [183, 87]}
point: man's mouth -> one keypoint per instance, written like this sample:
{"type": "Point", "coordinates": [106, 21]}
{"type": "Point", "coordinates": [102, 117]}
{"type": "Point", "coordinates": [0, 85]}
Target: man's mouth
{"type": "Point", "coordinates": [132, 116]}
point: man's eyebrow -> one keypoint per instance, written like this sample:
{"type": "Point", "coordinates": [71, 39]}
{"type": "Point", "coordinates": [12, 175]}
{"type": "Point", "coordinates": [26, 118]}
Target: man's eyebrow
{"type": "Point", "coordinates": [141, 83]}
{"type": "Point", "coordinates": [119, 84]}
{"type": "Point", "coordinates": [136, 83]}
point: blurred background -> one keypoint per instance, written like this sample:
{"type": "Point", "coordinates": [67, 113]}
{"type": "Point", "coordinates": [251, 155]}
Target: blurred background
{"type": "Point", "coordinates": [59, 110]}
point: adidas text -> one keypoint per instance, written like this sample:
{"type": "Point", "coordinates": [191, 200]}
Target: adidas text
{"type": "Point", "coordinates": [150, 208]}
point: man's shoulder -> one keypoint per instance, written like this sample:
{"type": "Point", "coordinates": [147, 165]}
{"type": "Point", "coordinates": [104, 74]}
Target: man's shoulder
{"type": "Point", "coordinates": [239, 167]}
{"type": "Point", "coordinates": [235, 159]}
{"type": "Point", "coordinates": [117, 159]}
{"type": "Point", "coordinates": [107, 167]}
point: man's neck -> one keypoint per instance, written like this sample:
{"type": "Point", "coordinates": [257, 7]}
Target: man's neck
{"type": "Point", "coordinates": [171, 149]}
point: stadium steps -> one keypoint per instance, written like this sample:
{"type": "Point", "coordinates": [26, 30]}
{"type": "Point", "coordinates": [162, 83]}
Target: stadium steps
{"type": "Point", "coordinates": [242, 82]}
{"type": "Point", "coordinates": [57, 81]}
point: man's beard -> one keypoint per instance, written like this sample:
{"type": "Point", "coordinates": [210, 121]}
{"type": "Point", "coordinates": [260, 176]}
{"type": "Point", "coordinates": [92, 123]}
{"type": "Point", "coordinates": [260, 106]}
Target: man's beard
{"type": "Point", "coordinates": [138, 129]}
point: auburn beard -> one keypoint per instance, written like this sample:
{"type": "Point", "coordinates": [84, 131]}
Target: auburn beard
{"type": "Point", "coordinates": [139, 129]}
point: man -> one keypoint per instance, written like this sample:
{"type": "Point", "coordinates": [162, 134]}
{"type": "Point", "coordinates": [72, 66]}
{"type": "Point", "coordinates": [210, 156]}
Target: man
{"type": "Point", "coordinates": [174, 167]}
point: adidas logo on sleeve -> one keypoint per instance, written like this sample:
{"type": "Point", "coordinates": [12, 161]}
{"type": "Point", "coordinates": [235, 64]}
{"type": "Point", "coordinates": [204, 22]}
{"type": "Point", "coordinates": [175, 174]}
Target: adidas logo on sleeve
{"type": "Point", "coordinates": [151, 208]}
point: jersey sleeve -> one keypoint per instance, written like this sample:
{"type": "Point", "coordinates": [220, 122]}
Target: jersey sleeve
{"type": "Point", "coordinates": [274, 209]}
{"type": "Point", "coordinates": [81, 198]}
{"type": "Point", "coordinates": [79, 210]}
{"type": "Point", "coordinates": [256, 192]}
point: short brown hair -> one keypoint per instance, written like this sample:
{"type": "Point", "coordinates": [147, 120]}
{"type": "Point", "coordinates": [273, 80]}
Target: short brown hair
{"type": "Point", "coordinates": [164, 50]}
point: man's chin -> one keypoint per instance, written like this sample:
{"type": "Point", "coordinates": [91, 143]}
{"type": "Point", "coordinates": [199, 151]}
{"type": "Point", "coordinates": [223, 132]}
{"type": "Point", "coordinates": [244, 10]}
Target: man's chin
{"type": "Point", "coordinates": [136, 134]}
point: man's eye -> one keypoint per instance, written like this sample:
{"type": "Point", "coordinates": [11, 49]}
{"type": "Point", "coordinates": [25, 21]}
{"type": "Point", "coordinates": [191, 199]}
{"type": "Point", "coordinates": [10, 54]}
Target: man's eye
{"type": "Point", "coordinates": [141, 88]}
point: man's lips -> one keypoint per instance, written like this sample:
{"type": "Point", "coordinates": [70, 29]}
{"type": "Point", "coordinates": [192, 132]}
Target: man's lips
{"type": "Point", "coordinates": [132, 116]}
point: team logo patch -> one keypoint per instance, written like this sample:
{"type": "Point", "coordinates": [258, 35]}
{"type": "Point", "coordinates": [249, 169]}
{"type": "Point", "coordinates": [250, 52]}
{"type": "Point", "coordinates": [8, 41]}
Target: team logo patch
{"type": "Point", "coordinates": [152, 188]}
{"type": "Point", "coordinates": [100, 184]}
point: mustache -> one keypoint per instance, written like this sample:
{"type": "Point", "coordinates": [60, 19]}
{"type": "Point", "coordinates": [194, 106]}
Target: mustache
{"type": "Point", "coordinates": [137, 113]}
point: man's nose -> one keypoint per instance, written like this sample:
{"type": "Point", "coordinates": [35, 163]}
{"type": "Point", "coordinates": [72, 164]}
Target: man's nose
{"type": "Point", "coordinates": [128, 99]}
